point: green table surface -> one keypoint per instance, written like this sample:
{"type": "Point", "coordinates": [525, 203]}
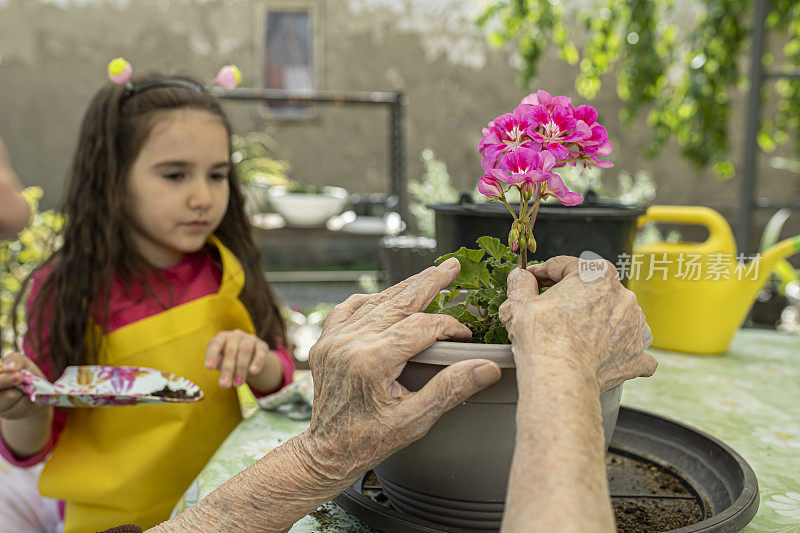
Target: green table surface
{"type": "Point", "coordinates": [749, 398]}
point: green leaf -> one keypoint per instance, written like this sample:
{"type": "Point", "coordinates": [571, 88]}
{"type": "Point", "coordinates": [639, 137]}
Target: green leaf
{"type": "Point", "coordinates": [495, 303]}
{"type": "Point", "coordinates": [493, 246]}
{"type": "Point", "coordinates": [436, 304]}
{"type": "Point", "coordinates": [496, 335]}
{"type": "Point", "coordinates": [462, 314]}
{"type": "Point", "coordinates": [482, 297]}
{"type": "Point", "coordinates": [499, 275]}
{"type": "Point", "coordinates": [474, 255]}
{"type": "Point", "coordinates": [454, 310]}
{"type": "Point", "coordinates": [451, 295]}
{"type": "Point", "coordinates": [474, 273]}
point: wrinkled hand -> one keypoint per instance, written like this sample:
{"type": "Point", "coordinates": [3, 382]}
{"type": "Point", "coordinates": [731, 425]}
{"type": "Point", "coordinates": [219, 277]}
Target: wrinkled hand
{"type": "Point", "coordinates": [597, 324]}
{"type": "Point", "coordinates": [14, 404]}
{"type": "Point", "coordinates": [237, 355]}
{"type": "Point", "coordinates": [361, 413]}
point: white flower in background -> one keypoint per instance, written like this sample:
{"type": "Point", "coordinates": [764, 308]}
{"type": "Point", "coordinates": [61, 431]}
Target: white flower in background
{"type": "Point", "coordinates": [788, 505]}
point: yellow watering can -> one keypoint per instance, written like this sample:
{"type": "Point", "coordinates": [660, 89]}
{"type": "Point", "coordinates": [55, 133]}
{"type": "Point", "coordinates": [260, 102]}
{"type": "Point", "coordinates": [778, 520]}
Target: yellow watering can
{"type": "Point", "coordinates": [696, 295]}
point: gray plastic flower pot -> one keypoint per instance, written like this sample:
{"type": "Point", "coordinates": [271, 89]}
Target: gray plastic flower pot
{"type": "Point", "coordinates": [457, 474]}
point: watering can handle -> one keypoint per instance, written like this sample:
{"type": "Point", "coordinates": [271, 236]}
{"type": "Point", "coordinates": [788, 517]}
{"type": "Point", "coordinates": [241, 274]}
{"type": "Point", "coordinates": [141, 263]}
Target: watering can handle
{"type": "Point", "coordinates": [720, 237]}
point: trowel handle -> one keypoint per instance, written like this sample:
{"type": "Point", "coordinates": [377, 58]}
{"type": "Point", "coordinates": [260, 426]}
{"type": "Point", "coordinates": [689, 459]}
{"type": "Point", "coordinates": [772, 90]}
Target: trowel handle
{"type": "Point", "coordinates": [720, 237]}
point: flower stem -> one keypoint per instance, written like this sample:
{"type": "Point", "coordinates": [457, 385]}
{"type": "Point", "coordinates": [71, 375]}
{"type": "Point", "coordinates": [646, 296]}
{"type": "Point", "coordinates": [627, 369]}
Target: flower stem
{"type": "Point", "coordinates": [523, 214]}
{"type": "Point", "coordinates": [513, 214]}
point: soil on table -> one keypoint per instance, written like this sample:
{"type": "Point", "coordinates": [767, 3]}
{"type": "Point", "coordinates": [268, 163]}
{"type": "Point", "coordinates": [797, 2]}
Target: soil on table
{"type": "Point", "coordinates": [179, 394]}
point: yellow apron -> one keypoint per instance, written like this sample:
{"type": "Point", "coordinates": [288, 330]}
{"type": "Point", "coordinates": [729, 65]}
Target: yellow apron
{"type": "Point", "coordinates": [123, 465]}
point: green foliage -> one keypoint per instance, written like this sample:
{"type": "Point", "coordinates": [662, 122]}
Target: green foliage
{"type": "Point", "coordinates": [785, 18]}
{"type": "Point", "coordinates": [433, 188]}
{"type": "Point", "coordinates": [685, 88]}
{"type": "Point", "coordinates": [483, 279]}
{"type": "Point", "coordinates": [20, 257]}
{"type": "Point", "coordinates": [532, 23]}
{"type": "Point", "coordinates": [256, 160]}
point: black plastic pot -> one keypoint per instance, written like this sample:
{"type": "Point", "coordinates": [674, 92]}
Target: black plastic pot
{"type": "Point", "coordinates": [605, 228]}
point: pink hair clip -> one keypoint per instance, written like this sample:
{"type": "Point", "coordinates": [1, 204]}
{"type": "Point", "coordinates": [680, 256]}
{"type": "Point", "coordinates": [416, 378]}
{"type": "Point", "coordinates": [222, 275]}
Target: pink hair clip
{"type": "Point", "coordinates": [228, 77]}
{"type": "Point", "coordinates": [119, 71]}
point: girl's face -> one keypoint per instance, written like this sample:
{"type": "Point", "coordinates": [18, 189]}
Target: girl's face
{"type": "Point", "coordinates": [177, 188]}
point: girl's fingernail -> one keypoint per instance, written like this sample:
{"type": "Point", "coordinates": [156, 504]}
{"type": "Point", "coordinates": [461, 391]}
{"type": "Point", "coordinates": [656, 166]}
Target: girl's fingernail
{"type": "Point", "coordinates": [238, 382]}
{"type": "Point", "coordinates": [15, 378]}
{"type": "Point", "coordinates": [209, 363]}
{"type": "Point", "coordinates": [254, 369]}
{"type": "Point", "coordinates": [224, 382]}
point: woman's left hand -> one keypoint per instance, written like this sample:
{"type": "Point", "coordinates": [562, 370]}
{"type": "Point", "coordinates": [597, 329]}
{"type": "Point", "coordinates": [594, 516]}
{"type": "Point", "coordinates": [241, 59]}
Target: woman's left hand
{"type": "Point", "coordinates": [237, 355]}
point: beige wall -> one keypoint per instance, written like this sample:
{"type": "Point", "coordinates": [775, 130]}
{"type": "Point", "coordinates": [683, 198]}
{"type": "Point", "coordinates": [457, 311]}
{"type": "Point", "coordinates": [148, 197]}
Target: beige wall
{"type": "Point", "coordinates": [53, 55]}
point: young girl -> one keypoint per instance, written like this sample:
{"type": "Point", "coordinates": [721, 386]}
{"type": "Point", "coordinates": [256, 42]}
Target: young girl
{"type": "Point", "coordinates": [157, 269]}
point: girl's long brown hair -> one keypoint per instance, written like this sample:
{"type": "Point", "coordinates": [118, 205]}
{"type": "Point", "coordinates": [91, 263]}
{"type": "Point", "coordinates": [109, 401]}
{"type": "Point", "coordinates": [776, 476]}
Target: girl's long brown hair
{"type": "Point", "coordinates": [96, 245]}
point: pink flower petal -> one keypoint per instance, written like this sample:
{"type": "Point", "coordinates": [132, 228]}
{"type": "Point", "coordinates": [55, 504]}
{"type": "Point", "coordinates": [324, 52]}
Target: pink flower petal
{"type": "Point", "coordinates": [544, 98]}
{"type": "Point", "coordinates": [605, 149]}
{"type": "Point", "coordinates": [564, 101]}
{"type": "Point", "coordinates": [531, 99]}
{"type": "Point", "coordinates": [540, 114]}
{"type": "Point", "coordinates": [547, 160]}
{"type": "Point", "coordinates": [562, 118]}
{"type": "Point", "coordinates": [489, 186]}
{"type": "Point", "coordinates": [498, 174]}
{"type": "Point", "coordinates": [599, 163]}
{"type": "Point", "coordinates": [532, 145]}
{"type": "Point", "coordinates": [556, 187]}
{"type": "Point", "coordinates": [525, 118]}
{"type": "Point", "coordinates": [558, 151]}
{"type": "Point", "coordinates": [586, 113]}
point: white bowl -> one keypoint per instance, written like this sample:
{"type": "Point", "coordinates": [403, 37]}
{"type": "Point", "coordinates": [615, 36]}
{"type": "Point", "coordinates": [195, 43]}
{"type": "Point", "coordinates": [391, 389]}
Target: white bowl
{"type": "Point", "coordinates": [307, 209]}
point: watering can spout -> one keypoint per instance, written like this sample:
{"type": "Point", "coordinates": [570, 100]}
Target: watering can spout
{"type": "Point", "coordinates": [775, 253]}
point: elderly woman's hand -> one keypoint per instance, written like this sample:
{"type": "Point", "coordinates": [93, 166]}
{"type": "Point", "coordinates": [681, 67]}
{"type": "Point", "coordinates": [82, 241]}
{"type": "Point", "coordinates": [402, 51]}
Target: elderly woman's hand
{"type": "Point", "coordinates": [361, 413]}
{"type": "Point", "coordinates": [597, 323]}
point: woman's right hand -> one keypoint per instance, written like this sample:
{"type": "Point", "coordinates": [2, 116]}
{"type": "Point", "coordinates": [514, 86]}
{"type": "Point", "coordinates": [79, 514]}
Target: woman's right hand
{"type": "Point", "coordinates": [15, 404]}
{"type": "Point", "coordinates": [596, 324]}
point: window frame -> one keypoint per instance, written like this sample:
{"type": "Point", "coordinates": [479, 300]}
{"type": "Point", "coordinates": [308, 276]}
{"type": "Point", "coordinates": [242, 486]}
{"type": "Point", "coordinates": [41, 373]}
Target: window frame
{"type": "Point", "coordinates": [314, 11]}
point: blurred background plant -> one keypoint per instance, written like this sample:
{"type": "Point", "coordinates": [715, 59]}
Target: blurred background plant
{"type": "Point", "coordinates": [685, 87]}
{"type": "Point", "coordinates": [255, 155]}
{"type": "Point", "coordinates": [433, 187]}
{"type": "Point", "coordinates": [20, 257]}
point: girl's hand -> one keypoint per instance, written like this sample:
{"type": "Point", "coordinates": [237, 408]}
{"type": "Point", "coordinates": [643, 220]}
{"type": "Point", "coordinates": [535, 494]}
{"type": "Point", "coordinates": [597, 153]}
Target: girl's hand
{"type": "Point", "coordinates": [15, 404]}
{"type": "Point", "coordinates": [236, 355]}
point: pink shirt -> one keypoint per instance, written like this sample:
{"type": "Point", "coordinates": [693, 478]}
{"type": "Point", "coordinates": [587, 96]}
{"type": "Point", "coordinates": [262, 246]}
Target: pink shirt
{"type": "Point", "coordinates": [195, 276]}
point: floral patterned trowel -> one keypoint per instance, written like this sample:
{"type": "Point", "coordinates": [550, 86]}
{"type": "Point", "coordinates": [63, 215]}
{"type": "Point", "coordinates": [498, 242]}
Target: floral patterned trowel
{"type": "Point", "coordinates": [105, 386]}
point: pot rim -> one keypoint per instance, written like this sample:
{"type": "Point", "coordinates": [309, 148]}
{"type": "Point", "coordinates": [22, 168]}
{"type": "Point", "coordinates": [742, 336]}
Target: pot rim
{"type": "Point", "coordinates": [448, 352]}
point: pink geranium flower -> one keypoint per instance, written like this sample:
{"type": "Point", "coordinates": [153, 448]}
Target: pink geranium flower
{"type": "Point", "coordinates": [557, 128]}
{"type": "Point", "coordinates": [525, 166]}
{"type": "Point", "coordinates": [521, 149]}
{"type": "Point", "coordinates": [544, 99]}
{"type": "Point", "coordinates": [507, 132]}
